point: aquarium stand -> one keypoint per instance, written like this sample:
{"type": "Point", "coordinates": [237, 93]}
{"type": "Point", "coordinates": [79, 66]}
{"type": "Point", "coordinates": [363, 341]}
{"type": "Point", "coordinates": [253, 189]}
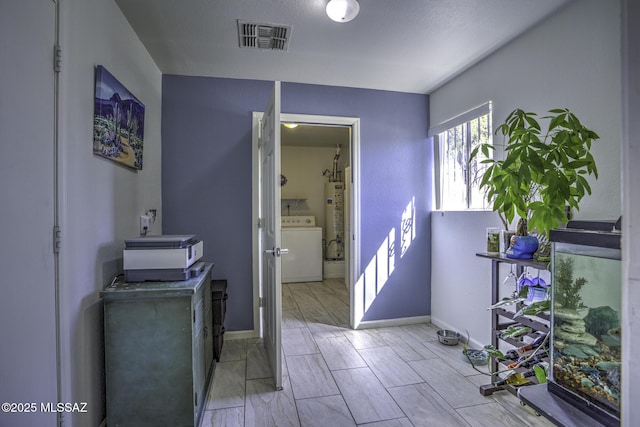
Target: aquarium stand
{"type": "Point", "coordinates": [501, 318]}
{"type": "Point", "coordinates": [557, 409]}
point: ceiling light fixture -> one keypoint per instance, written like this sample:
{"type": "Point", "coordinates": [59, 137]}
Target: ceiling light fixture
{"type": "Point", "coordinates": [342, 10]}
{"type": "Point", "coordinates": [291, 125]}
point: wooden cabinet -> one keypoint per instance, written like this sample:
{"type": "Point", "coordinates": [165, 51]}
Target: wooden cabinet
{"type": "Point", "coordinates": [158, 351]}
{"type": "Point", "coordinates": [502, 318]}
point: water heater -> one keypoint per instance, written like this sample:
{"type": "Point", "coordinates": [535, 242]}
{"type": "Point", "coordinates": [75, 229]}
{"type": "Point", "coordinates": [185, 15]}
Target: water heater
{"type": "Point", "coordinates": [334, 220]}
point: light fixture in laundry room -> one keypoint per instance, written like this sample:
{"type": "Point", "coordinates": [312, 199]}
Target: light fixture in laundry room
{"type": "Point", "coordinates": [343, 10]}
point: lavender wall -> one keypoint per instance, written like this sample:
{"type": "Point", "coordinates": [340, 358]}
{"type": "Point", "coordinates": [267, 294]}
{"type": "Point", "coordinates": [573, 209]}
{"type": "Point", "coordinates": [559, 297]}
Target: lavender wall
{"type": "Point", "coordinates": [206, 179]}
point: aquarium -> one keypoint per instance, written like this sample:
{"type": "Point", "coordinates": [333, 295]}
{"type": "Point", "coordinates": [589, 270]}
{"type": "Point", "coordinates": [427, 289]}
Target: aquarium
{"type": "Point", "coordinates": [585, 319]}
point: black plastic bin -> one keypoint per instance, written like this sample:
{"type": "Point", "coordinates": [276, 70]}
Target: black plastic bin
{"type": "Point", "coordinates": [219, 298]}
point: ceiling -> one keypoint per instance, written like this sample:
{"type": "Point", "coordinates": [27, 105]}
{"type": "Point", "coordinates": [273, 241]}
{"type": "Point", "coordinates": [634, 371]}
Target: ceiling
{"type": "Point", "coordinates": [316, 136]}
{"type": "Point", "coordinates": [410, 46]}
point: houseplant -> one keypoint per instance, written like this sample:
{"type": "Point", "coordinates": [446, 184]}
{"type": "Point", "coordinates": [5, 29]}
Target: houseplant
{"type": "Point", "coordinates": [542, 173]}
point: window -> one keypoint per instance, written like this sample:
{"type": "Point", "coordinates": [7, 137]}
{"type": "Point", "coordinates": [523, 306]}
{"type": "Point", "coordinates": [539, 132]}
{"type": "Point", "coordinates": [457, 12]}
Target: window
{"type": "Point", "coordinates": [457, 179]}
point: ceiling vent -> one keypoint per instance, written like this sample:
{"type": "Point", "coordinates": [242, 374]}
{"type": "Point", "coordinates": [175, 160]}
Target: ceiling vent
{"type": "Point", "coordinates": [263, 36]}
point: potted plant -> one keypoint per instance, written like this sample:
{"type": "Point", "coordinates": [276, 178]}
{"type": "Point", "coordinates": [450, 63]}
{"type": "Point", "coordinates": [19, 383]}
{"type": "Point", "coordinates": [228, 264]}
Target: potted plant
{"type": "Point", "coordinates": [543, 173]}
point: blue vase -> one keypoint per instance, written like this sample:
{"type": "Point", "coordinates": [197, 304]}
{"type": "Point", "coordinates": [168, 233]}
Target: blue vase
{"type": "Point", "coordinates": [523, 247]}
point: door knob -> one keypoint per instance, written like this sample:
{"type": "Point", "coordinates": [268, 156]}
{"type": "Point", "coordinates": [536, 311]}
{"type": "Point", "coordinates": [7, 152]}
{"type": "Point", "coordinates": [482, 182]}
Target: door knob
{"type": "Point", "coordinates": [276, 251]}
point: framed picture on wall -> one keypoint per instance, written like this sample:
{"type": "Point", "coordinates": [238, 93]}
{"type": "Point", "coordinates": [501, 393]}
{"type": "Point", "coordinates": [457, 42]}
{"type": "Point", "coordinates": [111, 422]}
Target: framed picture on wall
{"type": "Point", "coordinates": [118, 121]}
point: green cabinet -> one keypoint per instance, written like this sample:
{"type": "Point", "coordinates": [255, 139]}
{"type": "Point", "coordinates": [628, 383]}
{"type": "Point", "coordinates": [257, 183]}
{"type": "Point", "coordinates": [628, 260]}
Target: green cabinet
{"type": "Point", "coordinates": [158, 351]}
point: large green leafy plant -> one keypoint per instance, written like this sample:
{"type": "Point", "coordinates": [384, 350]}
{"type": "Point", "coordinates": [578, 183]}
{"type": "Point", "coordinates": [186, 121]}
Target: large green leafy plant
{"type": "Point", "coordinates": [543, 172]}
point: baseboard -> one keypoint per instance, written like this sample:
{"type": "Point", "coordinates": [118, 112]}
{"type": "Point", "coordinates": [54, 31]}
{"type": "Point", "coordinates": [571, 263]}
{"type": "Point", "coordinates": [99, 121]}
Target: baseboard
{"type": "Point", "coordinates": [240, 335]}
{"type": "Point", "coordinates": [402, 321]}
{"type": "Point", "coordinates": [367, 324]}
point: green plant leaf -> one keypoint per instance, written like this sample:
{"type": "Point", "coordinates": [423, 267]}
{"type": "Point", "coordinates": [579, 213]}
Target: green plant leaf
{"type": "Point", "coordinates": [493, 352]}
{"type": "Point", "coordinates": [532, 121]}
{"type": "Point", "coordinates": [534, 309]}
{"type": "Point", "coordinates": [576, 164]}
{"type": "Point", "coordinates": [582, 180]}
{"type": "Point", "coordinates": [515, 331]}
{"type": "Point", "coordinates": [511, 159]}
{"type": "Point", "coordinates": [555, 122]}
{"type": "Point", "coordinates": [524, 292]}
{"type": "Point", "coordinates": [474, 152]}
{"type": "Point", "coordinates": [536, 161]}
{"type": "Point", "coordinates": [541, 374]}
{"type": "Point", "coordinates": [486, 148]}
{"type": "Point", "coordinates": [540, 174]}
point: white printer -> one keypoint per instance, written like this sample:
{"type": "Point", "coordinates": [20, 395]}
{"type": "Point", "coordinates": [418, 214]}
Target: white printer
{"type": "Point", "coordinates": [162, 258]}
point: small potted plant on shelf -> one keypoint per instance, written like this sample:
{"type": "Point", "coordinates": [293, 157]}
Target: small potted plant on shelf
{"type": "Point", "coordinates": [543, 173]}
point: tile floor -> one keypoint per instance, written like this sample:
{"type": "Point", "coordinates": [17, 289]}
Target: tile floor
{"type": "Point", "coordinates": [334, 376]}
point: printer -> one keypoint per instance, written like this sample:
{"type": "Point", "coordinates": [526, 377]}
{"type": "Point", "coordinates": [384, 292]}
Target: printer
{"type": "Point", "coordinates": [162, 258]}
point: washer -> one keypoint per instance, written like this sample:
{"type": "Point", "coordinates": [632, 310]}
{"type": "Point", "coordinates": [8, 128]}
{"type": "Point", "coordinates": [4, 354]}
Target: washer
{"type": "Point", "coordinates": [303, 263]}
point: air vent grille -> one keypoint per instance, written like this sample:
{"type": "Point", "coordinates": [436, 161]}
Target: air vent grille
{"type": "Point", "coordinates": [263, 36]}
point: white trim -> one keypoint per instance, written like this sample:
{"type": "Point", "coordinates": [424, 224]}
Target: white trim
{"type": "Point", "coordinates": [354, 123]}
{"type": "Point", "coordinates": [437, 172]}
{"type": "Point", "coordinates": [478, 111]}
{"type": "Point", "coordinates": [255, 212]}
{"type": "Point", "coordinates": [354, 203]}
{"type": "Point", "coordinates": [241, 335]}
{"type": "Point", "coordinates": [401, 321]}
{"type": "Point", "coordinates": [440, 152]}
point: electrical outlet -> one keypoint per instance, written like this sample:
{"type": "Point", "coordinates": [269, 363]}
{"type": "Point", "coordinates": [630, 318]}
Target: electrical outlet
{"type": "Point", "coordinates": [145, 224]}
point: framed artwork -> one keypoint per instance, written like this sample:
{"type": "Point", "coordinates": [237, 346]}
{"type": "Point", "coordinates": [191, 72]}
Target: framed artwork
{"type": "Point", "coordinates": [118, 121]}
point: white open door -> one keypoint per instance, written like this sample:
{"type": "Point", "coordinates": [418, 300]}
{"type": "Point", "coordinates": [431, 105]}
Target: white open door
{"type": "Point", "coordinates": [270, 235]}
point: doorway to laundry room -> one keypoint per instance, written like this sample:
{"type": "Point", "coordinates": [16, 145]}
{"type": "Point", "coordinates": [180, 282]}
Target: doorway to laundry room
{"type": "Point", "coordinates": [317, 208]}
{"type": "Point", "coordinates": [267, 213]}
{"type": "Point", "coordinates": [320, 190]}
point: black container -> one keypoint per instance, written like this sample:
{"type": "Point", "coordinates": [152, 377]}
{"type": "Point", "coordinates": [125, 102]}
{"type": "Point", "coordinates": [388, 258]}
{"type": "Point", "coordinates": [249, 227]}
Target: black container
{"type": "Point", "coordinates": [219, 297]}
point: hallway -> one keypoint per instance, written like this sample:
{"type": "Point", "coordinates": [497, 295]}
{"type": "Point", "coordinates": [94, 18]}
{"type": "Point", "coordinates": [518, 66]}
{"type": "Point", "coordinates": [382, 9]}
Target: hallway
{"type": "Point", "coordinates": [335, 376]}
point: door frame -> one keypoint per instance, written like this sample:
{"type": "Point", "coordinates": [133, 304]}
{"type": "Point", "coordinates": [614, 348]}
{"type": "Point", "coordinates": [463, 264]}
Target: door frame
{"type": "Point", "coordinates": [354, 146]}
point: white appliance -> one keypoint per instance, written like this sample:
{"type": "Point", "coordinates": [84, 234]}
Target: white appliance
{"type": "Point", "coordinates": [167, 257]}
{"type": "Point", "coordinates": [303, 238]}
{"type": "Point", "coordinates": [334, 220]}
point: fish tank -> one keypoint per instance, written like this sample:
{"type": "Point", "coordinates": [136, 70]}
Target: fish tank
{"type": "Point", "coordinates": [585, 318]}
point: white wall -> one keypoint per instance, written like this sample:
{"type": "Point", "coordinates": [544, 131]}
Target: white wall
{"type": "Point", "coordinates": [101, 200]}
{"type": "Point", "coordinates": [461, 281]}
{"type": "Point", "coordinates": [27, 310]}
{"type": "Point", "coordinates": [571, 60]}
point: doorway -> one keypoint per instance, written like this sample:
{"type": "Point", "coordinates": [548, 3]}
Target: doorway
{"type": "Point", "coordinates": [350, 149]}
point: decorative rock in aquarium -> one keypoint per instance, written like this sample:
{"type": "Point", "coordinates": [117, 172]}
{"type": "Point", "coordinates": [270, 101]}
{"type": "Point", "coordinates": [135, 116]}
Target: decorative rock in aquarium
{"type": "Point", "coordinates": [601, 319]}
{"type": "Point", "coordinates": [574, 327]}
{"type": "Point", "coordinates": [587, 348]}
{"type": "Point", "coordinates": [566, 313]}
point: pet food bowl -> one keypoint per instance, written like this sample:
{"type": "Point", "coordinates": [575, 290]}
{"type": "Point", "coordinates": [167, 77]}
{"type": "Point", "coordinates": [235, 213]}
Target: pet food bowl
{"type": "Point", "coordinates": [478, 357]}
{"type": "Point", "coordinates": [447, 337]}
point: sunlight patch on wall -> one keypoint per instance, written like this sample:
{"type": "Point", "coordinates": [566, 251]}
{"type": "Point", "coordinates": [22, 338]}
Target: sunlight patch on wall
{"type": "Point", "coordinates": [392, 250]}
{"type": "Point", "coordinates": [370, 284]}
{"type": "Point", "coordinates": [383, 264]}
{"type": "Point", "coordinates": [408, 227]}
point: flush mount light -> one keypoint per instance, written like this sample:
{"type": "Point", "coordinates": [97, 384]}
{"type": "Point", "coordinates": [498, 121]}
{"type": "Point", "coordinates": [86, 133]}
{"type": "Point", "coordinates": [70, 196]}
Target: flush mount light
{"type": "Point", "coordinates": [342, 10]}
{"type": "Point", "coordinates": [291, 125]}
